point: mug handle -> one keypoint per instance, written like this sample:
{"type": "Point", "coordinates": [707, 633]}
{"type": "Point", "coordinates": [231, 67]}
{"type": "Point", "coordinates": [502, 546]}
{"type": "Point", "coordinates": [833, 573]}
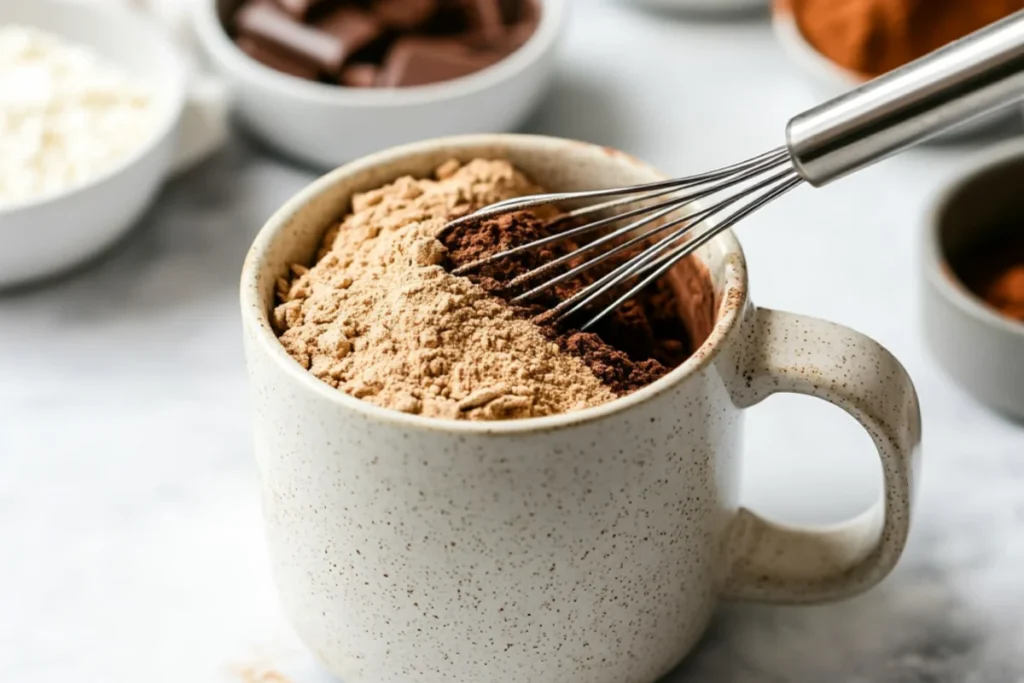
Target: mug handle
{"type": "Point", "coordinates": [771, 562]}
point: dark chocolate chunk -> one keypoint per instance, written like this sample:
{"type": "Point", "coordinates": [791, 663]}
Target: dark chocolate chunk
{"type": "Point", "coordinates": [514, 11]}
{"type": "Point", "coordinates": [451, 38]}
{"type": "Point", "coordinates": [359, 76]}
{"type": "Point", "coordinates": [517, 35]}
{"type": "Point", "coordinates": [277, 60]}
{"type": "Point", "coordinates": [404, 15]}
{"type": "Point", "coordinates": [300, 9]}
{"type": "Point", "coordinates": [352, 27]}
{"type": "Point", "coordinates": [420, 61]}
{"type": "Point", "coordinates": [271, 25]}
{"type": "Point", "coordinates": [450, 19]}
{"type": "Point", "coordinates": [485, 20]}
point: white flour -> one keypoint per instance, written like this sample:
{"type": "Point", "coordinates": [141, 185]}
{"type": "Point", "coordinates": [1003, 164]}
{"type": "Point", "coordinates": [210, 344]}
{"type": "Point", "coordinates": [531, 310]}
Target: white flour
{"type": "Point", "coordinates": [65, 115]}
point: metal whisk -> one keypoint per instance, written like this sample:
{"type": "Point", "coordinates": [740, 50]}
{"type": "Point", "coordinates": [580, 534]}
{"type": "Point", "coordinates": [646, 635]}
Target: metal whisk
{"type": "Point", "coordinates": [657, 224]}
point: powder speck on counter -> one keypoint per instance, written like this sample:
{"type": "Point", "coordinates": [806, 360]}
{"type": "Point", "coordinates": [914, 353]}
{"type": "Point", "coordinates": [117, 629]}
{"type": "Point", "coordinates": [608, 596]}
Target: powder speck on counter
{"type": "Point", "coordinates": [380, 318]}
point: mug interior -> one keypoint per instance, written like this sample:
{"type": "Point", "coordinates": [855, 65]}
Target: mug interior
{"type": "Point", "coordinates": [294, 235]}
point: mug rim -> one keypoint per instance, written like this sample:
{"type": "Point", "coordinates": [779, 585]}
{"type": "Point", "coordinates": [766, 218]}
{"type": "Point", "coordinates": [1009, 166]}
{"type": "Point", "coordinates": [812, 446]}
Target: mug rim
{"type": "Point", "coordinates": [730, 304]}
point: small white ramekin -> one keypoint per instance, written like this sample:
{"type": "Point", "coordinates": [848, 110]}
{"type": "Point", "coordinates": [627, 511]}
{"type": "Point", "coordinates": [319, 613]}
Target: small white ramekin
{"type": "Point", "coordinates": [53, 232]}
{"type": "Point", "coordinates": [327, 125]}
{"type": "Point", "coordinates": [981, 350]}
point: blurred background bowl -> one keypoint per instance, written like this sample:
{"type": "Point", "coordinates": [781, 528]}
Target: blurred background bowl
{"type": "Point", "coordinates": [703, 6]}
{"type": "Point", "coordinates": [326, 125]}
{"type": "Point", "coordinates": [980, 349]}
{"type": "Point", "coordinates": [827, 79]}
{"type": "Point", "coordinates": [45, 235]}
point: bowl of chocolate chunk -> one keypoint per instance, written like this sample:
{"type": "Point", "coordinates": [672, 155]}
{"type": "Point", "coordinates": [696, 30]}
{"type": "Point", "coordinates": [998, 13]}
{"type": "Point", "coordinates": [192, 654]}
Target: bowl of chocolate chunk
{"type": "Point", "coordinates": [973, 272]}
{"type": "Point", "coordinates": [451, 476]}
{"type": "Point", "coordinates": [326, 81]}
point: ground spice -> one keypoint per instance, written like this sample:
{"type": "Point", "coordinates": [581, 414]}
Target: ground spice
{"type": "Point", "coordinates": [379, 318]}
{"type": "Point", "coordinates": [638, 343]}
{"type": "Point", "coordinates": [995, 272]}
{"type": "Point", "coordinates": [872, 37]}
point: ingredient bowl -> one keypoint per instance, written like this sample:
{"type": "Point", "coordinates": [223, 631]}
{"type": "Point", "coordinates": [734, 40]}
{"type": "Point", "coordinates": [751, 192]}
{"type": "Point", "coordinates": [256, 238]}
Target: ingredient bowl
{"type": "Point", "coordinates": [978, 347]}
{"type": "Point", "coordinates": [325, 125]}
{"type": "Point", "coordinates": [827, 79]}
{"type": "Point", "coordinates": [702, 6]}
{"type": "Point", "coordinates": [55, 231]}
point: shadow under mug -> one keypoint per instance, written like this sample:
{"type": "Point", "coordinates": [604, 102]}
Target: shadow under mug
{"type": "Point", "coordinates": [587, 546]}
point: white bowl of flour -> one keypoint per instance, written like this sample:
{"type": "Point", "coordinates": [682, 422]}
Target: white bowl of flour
{"type": "Point", "coordinates": [90, 100]}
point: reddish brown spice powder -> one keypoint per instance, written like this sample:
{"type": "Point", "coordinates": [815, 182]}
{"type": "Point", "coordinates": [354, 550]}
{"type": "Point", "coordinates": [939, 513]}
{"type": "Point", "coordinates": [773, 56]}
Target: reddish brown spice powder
{"type": "Point", "coordinates": [995, 272]}
{"type": "Point", "coordinates": [872, 37]}
{"type": "Point", "coordinates": [637, 344]}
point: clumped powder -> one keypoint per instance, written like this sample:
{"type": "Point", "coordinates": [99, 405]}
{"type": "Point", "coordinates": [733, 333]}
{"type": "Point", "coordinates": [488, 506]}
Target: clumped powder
{"type": "Point", "coordinates": [380, 318]}
{"type": "Point", "coordinates": [634, 345]}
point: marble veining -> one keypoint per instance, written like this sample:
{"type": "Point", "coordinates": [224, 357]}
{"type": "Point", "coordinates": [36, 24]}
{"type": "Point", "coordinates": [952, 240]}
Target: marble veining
{"type": "Point", "coordinates": [130, 531]}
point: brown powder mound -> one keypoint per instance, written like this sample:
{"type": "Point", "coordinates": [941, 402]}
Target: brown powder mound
{"type": "Point", "coordinates": [635, 345]}
{"type": "Point", "coordinates": [379, 318]}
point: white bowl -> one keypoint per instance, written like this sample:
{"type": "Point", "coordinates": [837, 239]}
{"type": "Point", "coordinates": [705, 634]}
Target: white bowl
{"type": "Point", "coordinates": [981, 350]}
{"type": "Point", "coordinates": [327, 125]}
{"type": "Point", "coordinates": [829, 80]}
{"type": "Point", "coordinates": [53, 232]}
{"type": "Point", "coordinates": [702, 6]}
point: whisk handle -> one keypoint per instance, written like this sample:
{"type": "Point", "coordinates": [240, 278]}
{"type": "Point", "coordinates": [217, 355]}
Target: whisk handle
{"type": "Point", "coordinates": [964, 80]}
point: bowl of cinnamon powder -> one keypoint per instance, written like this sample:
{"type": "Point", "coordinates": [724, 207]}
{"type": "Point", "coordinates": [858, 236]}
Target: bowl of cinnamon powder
{"type": "Point", "coordinates": [841, 45]}
{"type": "Point", "coordinates": [973, 273]}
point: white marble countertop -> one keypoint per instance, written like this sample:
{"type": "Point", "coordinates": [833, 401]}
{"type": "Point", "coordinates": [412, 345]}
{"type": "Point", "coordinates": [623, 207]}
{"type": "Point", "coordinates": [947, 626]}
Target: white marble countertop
{"type": "Point", "coordinates": [130, 537]}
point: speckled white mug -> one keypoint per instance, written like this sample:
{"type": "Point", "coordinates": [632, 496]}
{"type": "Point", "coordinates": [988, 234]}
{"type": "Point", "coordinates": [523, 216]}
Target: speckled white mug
{"type": "Point", "coordinates": [591, 546]}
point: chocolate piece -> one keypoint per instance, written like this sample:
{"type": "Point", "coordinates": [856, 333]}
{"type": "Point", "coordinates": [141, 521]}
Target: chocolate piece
{"type": "Point", "coordinates": [352, 27]}
{"type": "Point", "coordinates": [453, 37]}
{"type": "Point", "coordinates": [514, 11]}
{"type": "Point", "coordinates": [485, 19]}
{"type": "Point", "coordinates": [300, 9]}
{"type": "Point", "coordinates": [517, 35]}
{"type": "Point", "coordinates": [420, 61]}
{"type": "Point", "coordinates": [404, 15]}
{"type": "Point", "coordinates": [274, 59]}
{"type": "Point", "coordinates": [359, 76]}
{"type": "Point", "coordinates": [271, 25]}
{"type": "Point", "coordinates": [450, 19]}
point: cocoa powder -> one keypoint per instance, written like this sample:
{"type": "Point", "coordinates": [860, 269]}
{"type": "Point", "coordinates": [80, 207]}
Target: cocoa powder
{"type": "Point", "coordinates": [635, 345]}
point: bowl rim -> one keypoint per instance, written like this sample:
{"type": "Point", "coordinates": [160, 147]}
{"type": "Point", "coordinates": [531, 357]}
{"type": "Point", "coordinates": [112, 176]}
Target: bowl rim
{"type": "Point", "coordinates": [732, 303]}
{"type": "Point", "coordinates": [793, 41]}
{"type": "Point", "coordinates": [214, 39]}
{"type": "Point", "coordinates": [173, 89]}
{"type": "Point", "coordinates": [938, 273]}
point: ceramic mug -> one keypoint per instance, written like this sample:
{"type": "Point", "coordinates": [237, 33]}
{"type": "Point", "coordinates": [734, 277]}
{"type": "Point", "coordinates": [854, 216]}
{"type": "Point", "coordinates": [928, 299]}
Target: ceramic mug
{"type": "Point", "coordinates": [587, 546]}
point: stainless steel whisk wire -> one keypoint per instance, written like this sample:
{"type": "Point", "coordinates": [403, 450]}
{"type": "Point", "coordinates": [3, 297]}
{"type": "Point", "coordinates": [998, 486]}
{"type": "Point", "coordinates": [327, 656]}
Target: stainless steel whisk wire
{"type": "Point", "coordinates": [972, 77]}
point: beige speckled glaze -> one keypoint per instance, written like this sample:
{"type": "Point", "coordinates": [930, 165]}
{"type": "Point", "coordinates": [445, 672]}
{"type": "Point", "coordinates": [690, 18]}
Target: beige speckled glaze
{"type": "Point", "coordinates": [591, 546]}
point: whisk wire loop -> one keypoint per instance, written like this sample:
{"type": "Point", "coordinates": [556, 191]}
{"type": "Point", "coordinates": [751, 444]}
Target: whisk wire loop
{"type": "Point", "coordinates": [651, 223]}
